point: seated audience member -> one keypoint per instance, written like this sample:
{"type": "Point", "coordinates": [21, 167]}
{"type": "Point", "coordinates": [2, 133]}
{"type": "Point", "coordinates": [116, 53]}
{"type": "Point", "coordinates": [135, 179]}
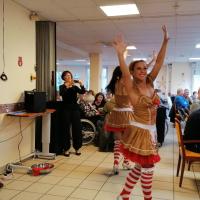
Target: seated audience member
{"type": "Point", "coordinates": [194, 97]}
{"type": "Point", "coordinates": [196, 104]}
{"type": "Point", "coordinates": [89, 97]}
{"type": "Point", "coordinates": [192, 131]}
{"type": "Point", "coordinates": [85, 105]}
{"type": "Point", "coordinates": [105, 138]}
{"type": "Point", "coordinates": [99, 102]}
{"type": "Point", "coordinates": [186, 94]}
{"type": "Point", "coordinates": [180, 101]}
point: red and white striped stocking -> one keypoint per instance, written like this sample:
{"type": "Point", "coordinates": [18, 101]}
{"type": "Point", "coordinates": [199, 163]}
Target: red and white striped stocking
{"type": "Point", "coordinates": [116, 152]}
{"type": "Point", "coordinates": [131, 181]}
{"type": "Point", "coordinates": [146, 183]}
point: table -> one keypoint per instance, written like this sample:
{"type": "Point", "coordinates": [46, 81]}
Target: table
{"type": "Point", "coordinates": [46, 124]}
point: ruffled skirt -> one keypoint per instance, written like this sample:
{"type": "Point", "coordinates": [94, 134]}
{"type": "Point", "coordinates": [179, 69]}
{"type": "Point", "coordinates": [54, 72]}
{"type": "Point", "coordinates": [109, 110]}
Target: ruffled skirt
{"type": "Point", "coordinates": [118, 120]}
{"type": "Point", "coordinates": [138, 144]}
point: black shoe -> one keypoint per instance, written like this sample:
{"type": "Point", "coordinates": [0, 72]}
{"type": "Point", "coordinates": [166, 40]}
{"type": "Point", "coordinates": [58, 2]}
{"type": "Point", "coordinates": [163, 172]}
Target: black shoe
{"type": "Point", "coordinates": [66, 153]}
{"type": "Point", "coordinates": [78, 153]}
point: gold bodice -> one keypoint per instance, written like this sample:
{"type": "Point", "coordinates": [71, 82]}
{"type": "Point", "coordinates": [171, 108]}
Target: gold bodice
{"type": "Point", "coordinates": [146, 108]}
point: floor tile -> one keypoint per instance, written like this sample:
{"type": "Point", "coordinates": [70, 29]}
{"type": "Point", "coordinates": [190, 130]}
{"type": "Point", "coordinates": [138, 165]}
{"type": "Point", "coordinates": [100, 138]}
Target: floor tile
{"type": "Point", "coordinates": [61, 190]}
{"type": "Point", "coordinates": [77, 174]}
{"type": "Point", "coordinates": [85, 168]}
{"type": "Point", "coordinates": [27, 195]}
{"type": "Point", "coordinates": [185, 196]}
{"type": "Point", "coordinates": [51, 197]}
{"type": "Point", "coordinates": [93, 185]}
{"type": "Point", "coordinates": [84, 194]}
{"type": "Point", "coordinates": [97, 177]}
{"type": "Point", "coordinates": [29, 178]}
{"type": "Point", "coordinates": [39, 188]}
{"type": "Point", "coordinates": [18, 185]}
{"type": "Point", "coordinates": [72, 182]}
{"type": "Point", "coordinates": [50, 179]}
{"type": "Point", "coordinates": [7, 194]}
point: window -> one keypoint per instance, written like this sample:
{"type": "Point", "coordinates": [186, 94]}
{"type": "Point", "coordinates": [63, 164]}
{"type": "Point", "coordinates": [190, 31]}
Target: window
{"type": "Point", "coordinates": [195, 75]}
{"type": "Point", "coordinates": [59, 80]}
{"type": "Point", "coordinates": [104, 79]}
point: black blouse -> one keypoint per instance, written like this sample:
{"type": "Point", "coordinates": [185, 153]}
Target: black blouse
{"type": "Point", "coordinates": [69, 95]}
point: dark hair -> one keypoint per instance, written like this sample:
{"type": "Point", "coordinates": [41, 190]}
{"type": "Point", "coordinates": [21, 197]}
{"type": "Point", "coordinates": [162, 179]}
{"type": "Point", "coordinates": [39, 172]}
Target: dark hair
{"type": "Point", "coordinates": [117, 74]}
{"type": "Point", "coordinates": [64, 73]}
{"type": "Point", "coordinates": [103, 100]}
{"type": "Point", "coordinates": [132, 64]}
{"type": "Point", "coordinates": [91, 91]}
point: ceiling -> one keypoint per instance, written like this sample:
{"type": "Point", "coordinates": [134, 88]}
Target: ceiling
{"type": "Point", "coordinates": [82, 28]}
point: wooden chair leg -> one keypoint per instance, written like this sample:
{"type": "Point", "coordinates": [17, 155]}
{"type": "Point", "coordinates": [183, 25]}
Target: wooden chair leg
{"type": "Point", "coordinates": [189, 165]}
{"type": "Point", "coordinates": [182, 172]}
{"type": "Point", "coordinates": [178, 166]}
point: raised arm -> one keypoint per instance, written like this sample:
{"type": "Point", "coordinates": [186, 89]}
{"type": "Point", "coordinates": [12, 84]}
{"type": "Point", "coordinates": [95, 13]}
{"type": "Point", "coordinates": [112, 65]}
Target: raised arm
{"type": "Point", "coordinates": [161, 54]}
{"type": "Point", "coordinates": [153, 59]}
{"type": "Point", "coordinates": [120, 47]}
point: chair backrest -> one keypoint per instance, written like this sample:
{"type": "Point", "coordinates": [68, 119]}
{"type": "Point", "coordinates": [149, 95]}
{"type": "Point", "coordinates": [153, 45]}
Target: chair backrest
{"type": "Point", "coordinates": [179, 135]}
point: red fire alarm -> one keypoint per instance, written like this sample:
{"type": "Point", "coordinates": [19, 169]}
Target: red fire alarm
{"type": "Point", "coordinates": [20, 61]}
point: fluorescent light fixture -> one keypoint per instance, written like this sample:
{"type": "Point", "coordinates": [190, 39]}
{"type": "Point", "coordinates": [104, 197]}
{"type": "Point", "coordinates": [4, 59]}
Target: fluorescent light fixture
{"type": "Point", "coordinates": [134, 59]}
{"type": "Point", "coordinates": [131, 47]}
{"type": "Point", "coordinates": [80, 60]}
{"type": "Point", "coordinates": [194, 58]}
{"type": "Point", "coordinates": [117, 10]}
{"type": "Point", "coordinates": [197, 46]}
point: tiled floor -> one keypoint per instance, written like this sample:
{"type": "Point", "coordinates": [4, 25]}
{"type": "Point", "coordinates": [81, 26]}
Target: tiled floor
{"type": "Point", "coordinates": [88, 177]}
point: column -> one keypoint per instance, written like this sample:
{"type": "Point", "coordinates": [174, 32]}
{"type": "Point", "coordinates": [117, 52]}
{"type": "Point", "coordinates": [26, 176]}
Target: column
{"type": "Point", "coordinates": [95, 72]}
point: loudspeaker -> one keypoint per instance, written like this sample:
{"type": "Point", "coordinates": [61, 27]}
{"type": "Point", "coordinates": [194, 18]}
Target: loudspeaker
{"type": "Point", "coordinates": [34, 101]}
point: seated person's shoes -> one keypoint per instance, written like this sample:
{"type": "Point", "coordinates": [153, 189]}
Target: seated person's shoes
{"type": "Point", "coordinates": [78, 152]}
{"type": "Point", "coordinates": [66, 153]}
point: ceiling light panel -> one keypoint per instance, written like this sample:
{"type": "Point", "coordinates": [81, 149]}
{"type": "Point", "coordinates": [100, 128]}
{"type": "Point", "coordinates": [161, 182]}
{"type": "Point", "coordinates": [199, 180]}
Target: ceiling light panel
{"type": "Point", "coordinates": [119, 10]}
{"type": "Point", "coordinates": [194, 58]}
{"type": "Point", "coordinates": [131, 47]}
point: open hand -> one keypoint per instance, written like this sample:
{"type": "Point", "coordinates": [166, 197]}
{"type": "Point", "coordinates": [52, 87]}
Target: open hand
{"type": "Point", "coordinates": [119, 44]}
{"type": "Point", "coordinates": [166, 36]}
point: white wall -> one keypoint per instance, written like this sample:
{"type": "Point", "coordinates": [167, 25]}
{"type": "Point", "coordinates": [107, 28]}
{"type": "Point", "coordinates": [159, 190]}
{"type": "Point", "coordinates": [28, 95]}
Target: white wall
{"type": "Point", "coordinates": [19, 41]}
{"type": "Point", "coordinates": [181, 77]}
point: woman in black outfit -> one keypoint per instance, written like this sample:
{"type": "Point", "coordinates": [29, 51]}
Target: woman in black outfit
{"type": "Point", "coordinates": [71, 113]}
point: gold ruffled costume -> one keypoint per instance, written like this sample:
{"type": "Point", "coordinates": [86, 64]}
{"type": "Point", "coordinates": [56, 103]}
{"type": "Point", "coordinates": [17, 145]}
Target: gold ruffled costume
{"type": "Point", "coordinates": [122, 113]}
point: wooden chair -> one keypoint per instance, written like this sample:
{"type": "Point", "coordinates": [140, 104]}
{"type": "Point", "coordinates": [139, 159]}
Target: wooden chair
{"type": "Point", "coordinates": [184, 154]}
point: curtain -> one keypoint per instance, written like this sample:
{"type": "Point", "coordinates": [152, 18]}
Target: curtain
{"type": "Point", "coordinates": [46, 58]}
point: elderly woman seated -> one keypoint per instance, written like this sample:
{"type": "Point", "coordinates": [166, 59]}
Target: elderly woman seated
{"type": "Point", "coordinates": [87, 109]}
